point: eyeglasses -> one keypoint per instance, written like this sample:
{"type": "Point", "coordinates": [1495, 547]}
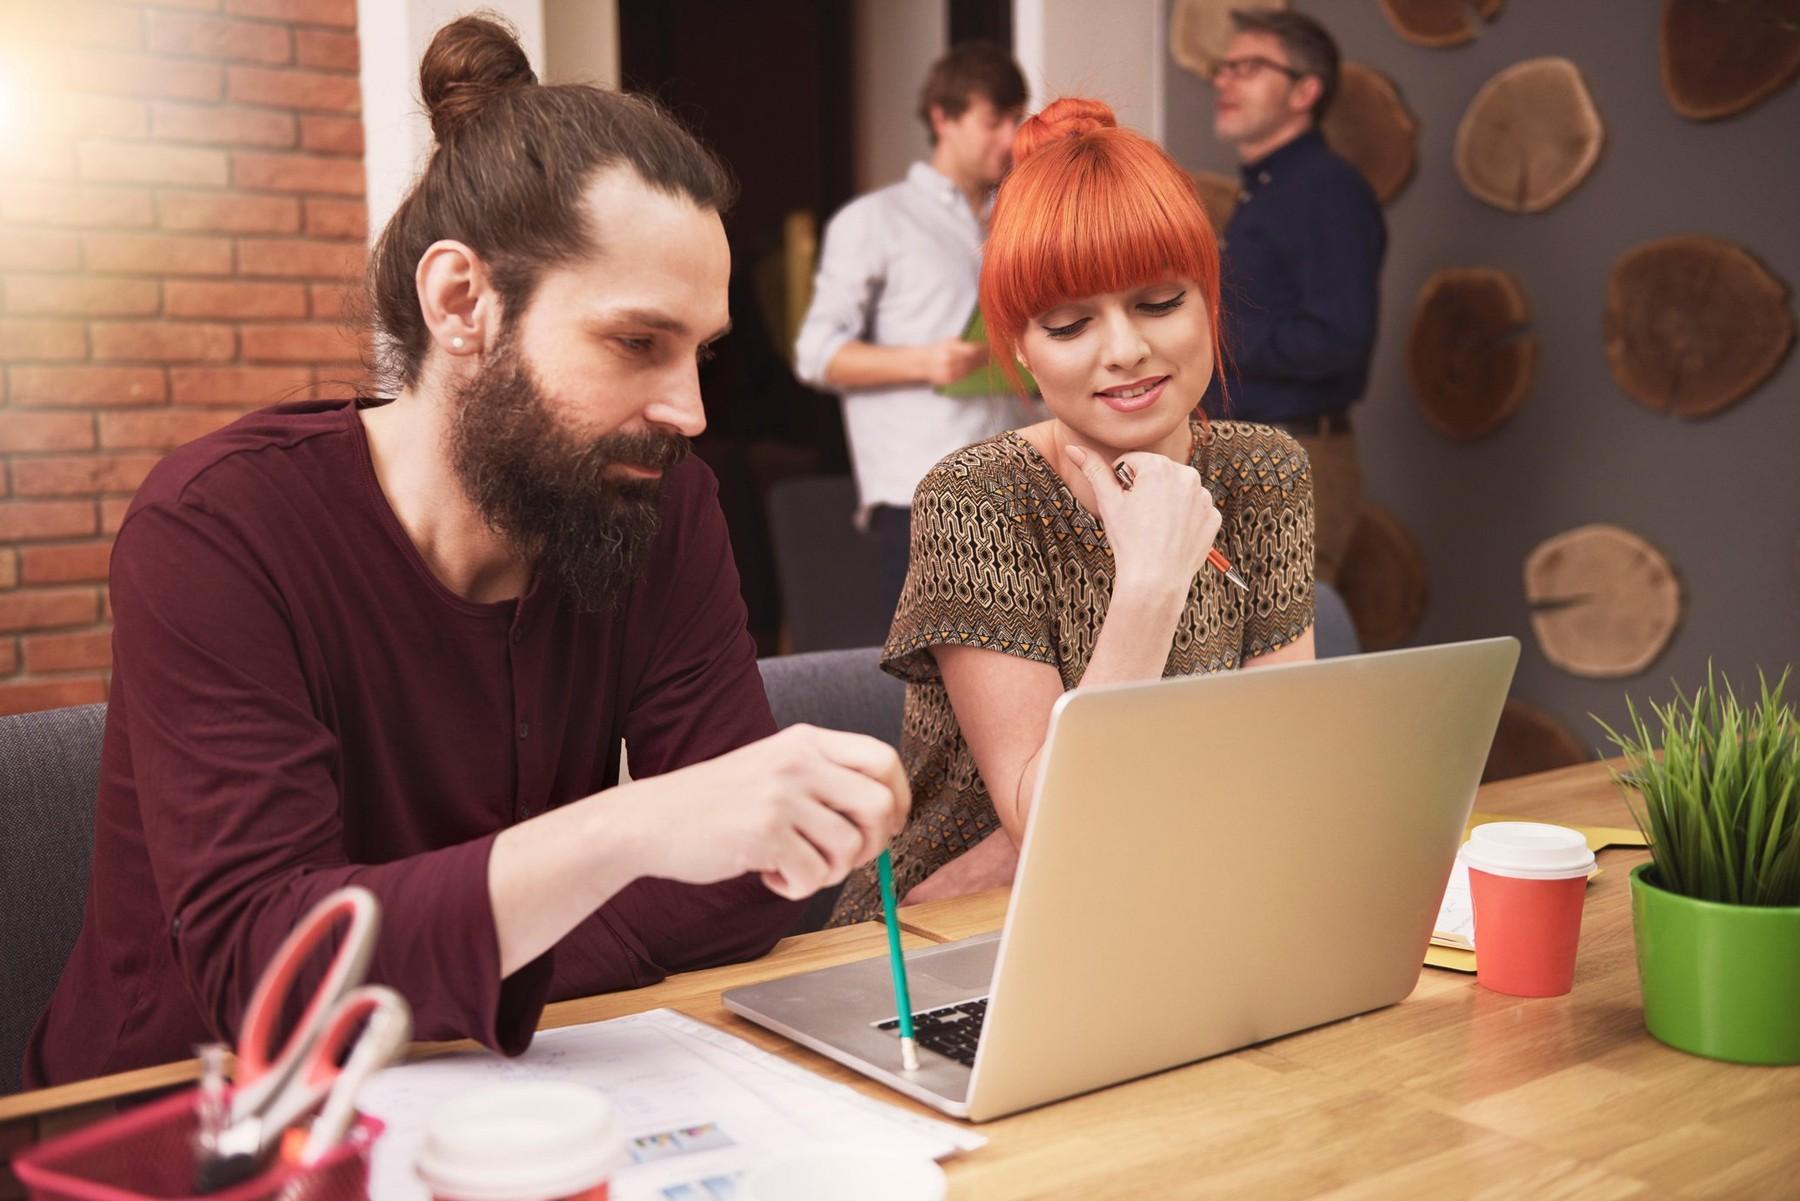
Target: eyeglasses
{"type": "Point", "coordinates": [1244, 68]}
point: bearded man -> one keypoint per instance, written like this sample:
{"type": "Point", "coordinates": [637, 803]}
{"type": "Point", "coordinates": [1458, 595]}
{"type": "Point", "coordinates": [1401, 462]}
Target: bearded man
{"type": "Point", "coordinates": [399, 642]}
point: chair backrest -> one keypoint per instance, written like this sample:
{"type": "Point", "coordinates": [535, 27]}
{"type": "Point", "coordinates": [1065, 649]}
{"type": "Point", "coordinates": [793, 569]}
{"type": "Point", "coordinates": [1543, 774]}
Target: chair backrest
{"type": "Point", "coordinates": [841, 690]}
{"type": "Point", "coordinates": [1334, 634]}
{"type": "Point", "coordinates": [829, 573]}
{"type": "Point", "coordinates": [49, 774]}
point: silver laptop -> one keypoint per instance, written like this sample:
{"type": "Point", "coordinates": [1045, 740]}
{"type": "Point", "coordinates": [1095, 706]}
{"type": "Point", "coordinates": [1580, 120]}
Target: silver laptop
{"type": "Point", "coordinates": [1211, 862]}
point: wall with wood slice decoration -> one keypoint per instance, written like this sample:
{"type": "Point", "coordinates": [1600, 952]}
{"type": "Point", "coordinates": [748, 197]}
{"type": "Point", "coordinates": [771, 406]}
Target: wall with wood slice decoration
{"type": "Point", "coordinates": [1583, 418]}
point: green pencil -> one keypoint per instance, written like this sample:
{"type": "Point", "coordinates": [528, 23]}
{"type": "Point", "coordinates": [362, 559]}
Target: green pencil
{"type": "Point", "coordinates": [890, 912]}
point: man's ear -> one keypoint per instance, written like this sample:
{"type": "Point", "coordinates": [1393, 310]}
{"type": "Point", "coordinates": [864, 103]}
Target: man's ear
{"type": "Point", "coordinates": [457, 298]}
{"type": "Point", "coordinates": [1306, 93]}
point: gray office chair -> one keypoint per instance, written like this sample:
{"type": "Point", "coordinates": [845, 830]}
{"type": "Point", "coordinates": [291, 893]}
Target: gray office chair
{"type": "Point", "coordinates": [1334, 634]}
{"type": "Point", "coordinates": [841, 690]}
{"type": "Point", "coordinates": [49, 774]}
{"type": "Point", "coordinates": [829, 573]}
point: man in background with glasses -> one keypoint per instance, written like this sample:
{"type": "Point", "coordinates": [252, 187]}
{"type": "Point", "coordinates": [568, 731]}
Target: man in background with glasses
{"type": "Point", "coordinates": [1302, 259]}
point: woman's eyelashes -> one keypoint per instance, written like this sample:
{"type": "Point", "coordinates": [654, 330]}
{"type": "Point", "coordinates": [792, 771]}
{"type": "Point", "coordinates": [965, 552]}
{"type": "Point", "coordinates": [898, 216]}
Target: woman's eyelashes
{"type": "Point", "coordinates": [1153, 308]}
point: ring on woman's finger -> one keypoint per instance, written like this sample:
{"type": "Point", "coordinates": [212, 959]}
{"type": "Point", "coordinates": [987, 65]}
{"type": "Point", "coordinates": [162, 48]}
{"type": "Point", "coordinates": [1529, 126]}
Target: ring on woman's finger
{"type": "Point", "coordinates": [1125, 475]}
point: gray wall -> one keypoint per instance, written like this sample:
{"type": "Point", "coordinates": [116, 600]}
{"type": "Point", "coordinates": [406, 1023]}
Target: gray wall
{"type": "Point", "coordinates": [1720, 496]}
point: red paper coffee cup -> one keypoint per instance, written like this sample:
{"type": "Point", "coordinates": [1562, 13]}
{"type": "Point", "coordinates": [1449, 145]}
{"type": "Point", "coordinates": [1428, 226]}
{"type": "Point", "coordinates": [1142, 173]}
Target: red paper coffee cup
{"type": "Point", "coordinates": [1527, 882]}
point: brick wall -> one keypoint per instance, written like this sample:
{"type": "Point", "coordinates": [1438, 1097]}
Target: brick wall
{"type": "Point", "coordinates": [181, 221]}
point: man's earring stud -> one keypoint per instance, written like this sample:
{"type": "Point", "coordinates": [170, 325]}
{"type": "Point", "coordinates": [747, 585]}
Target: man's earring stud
{"type": "Point", "coordinates": [456, 344]}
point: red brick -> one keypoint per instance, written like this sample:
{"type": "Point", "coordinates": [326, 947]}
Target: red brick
{"type": "Point", "coordinates": [80, 475]}
{"type": "Point", "coordinates": [34, 696]}
{"type": "Point", "coordinates": [334, 301]}
{"type": "Point", "coordinates": [295, 89]}
{"type": "Point", "coordinates": [85, 115]}
{"type": "Point", "coordinates": [35, 520]}
{"type": "Point", "coordinates": [35, 250]}
{"type": "Point", "coordinates": [185, 298]}
{"type": "Point", "coordinates": [144, 75]}
{"type": "Point", "coordinates": [46, 431]}
{"type": "Point", "coordinates": [36, 609]}
{"type": "Point", "coordinates": [160, 429]}
{"type": "Point", "coordinates": [72, 562]}
{"type": "Point", "coordinates": [332, 135]}
{"type": "Point", "coordinates": [315, 342]}
{"type": "Point", "coordinates": [158, 254]}
{"type": "Point", "coordinates": [132, 162]}
{"type": "Point", "coordinates": [218, 37]}
{"type": "Point", "coordinates": [87, 650]}
{"type": "Point", "coordinates": [222, 125]}
{"type": "Point", "coordinates": [341, 13]}
{"type": "Point", "coordinates": [36, 152]}
{"type": "Point", "coordinates": [9, 656]}
{"type": "Point", "coordinates": [112, 516]}
{"type": "Point", "coordinates": [25, 341]}
{"type": "Point", "coordinates": [235, 387]}
{"type": "Point", "coordinates": [87, 387]}
{"type": "Point", "coordinates": [164, 341]}
{"type": "Point", "coordinates": [81, 295]}
{"type": "Point", "coordinates": [210, 6]}
{"type": "Point", "coordinates": [9, 568]}
{"type": "Point", "coordinates": [59, 204]}
{"type": "Point", "coordinates": [228, 212]}
{"type": "Point", "coordinates": [331, 51]}
{"type": "Point", "coordinates": [298, 173]}
{"type": "Point", "coordinates": [336, 218]}
{"type": "Point", "coordinates": [328, 260]}
{"type": "Point", "coordinates": [113, 26]}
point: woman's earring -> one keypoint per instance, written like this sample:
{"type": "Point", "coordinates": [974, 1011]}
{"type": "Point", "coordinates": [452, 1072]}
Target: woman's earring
{"type": "Point", "coordinates": [456, 344]}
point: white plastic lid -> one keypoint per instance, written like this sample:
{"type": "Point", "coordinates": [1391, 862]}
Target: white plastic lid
{"type": "Point", "coordinates": [832, 1173]}
{"type": "Point", "coordinates": [529, 1141]}
{"type": "Point", "coordinates": [1527, 851]}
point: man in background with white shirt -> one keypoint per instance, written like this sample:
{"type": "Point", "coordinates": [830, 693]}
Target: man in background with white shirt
{"type": "Point", "coordinates": [895, 289]}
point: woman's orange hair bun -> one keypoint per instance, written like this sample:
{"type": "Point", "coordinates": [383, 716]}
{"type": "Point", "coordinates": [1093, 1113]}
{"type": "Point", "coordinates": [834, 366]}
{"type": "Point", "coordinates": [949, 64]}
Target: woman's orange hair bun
{"type": "Point", "coordinates": [1070, 117]}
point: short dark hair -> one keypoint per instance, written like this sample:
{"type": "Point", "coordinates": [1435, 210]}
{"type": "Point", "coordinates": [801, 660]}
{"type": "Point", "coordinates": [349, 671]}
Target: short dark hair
{"type": "Point", "coordinates": [512, 163]}
{"type": "Point", "coordinates": [1310, 49]}
{"type": "Point", "coordinates": [968, 70]}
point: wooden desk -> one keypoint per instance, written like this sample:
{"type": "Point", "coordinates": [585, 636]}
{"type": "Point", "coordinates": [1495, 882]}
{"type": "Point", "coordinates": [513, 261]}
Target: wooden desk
{"type": "Point", "coordinates": [1454, 1092]}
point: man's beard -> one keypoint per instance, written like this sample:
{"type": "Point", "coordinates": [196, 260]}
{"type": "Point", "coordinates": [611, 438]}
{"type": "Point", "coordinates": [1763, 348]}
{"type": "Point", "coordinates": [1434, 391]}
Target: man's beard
{"type": "Point", "coordinates": [547, 492]}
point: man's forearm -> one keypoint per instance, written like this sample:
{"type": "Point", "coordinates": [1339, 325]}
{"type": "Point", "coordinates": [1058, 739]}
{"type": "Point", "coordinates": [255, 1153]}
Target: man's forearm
{"type": "Point", "coordinates": [546, 875]}
{"type": "Point", "coordinates": [866, 365]}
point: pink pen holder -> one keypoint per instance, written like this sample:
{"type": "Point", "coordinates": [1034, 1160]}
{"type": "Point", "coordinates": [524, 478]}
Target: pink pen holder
{"type": "Point", "coordinates": [147, 1154]}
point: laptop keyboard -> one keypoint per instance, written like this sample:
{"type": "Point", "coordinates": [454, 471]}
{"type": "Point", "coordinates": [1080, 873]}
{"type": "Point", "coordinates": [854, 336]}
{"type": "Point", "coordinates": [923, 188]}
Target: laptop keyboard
{"type": "Point", "coordinates": [952, 1031]}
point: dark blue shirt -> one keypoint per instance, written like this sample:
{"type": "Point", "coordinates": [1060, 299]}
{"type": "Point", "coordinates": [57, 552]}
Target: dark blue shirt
{"type": "Point", "coordinates": [1302, 261]}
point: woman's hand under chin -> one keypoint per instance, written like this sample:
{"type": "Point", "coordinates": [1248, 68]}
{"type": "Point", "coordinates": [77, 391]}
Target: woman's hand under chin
{"type": "Point", "coordinates": [990, 864]}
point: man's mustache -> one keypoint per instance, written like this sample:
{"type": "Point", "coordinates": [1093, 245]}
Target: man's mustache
{"type": "Point", "coordinates": [654, 451]}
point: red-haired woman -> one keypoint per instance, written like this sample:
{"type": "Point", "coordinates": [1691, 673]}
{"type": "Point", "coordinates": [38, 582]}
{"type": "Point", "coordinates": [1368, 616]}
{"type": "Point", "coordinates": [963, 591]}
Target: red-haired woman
{"type": "Point", "coordinates": [1034, 569]}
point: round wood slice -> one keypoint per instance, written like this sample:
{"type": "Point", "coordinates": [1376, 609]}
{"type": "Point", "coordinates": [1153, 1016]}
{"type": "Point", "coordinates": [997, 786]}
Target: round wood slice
{"type": "Point", "coordinates": [1531, 135]}
{"type": "Point", "coordinates": [1218, 196]}
{"type": "Point", "coordinates": [1530, 740]}
{"type": "Point", "coordinates": [1439, 23]}
{"type": "Point", "coordinates": [1720, 58]}
{"type": "Point", "coordinates": [1694, 324]}
{"type": "Point", "coordinates": [1604, 602]}
{"type": "Point", "coordinates": [1369, 124]}
{"type": "Point", "coordinates": [1383, 580]}
{"type": "Point", "coordinates": [1200, 30]}
{"type": "Point", "coordinates": [1469, 354]}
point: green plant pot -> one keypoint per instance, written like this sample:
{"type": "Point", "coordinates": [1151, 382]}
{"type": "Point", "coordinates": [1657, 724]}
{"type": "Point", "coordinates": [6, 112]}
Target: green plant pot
{"type": "Point", "coordinates": [1721, 981]}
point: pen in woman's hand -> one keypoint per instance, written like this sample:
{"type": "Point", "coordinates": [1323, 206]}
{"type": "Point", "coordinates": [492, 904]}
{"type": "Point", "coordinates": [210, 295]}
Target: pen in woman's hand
{"type": "Point", "coordinates": [1127, 477]}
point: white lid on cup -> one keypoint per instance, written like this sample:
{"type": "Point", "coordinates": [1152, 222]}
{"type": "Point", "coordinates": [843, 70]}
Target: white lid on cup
{"type": "Point", "coordinates": [527, 1141]}
{"type": "Point", "coordinates": [1527, 851]}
